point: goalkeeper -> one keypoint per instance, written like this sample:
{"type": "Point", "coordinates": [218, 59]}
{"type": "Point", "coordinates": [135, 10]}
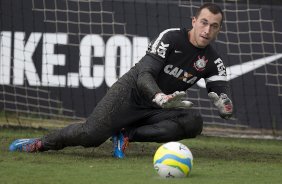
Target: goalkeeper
{"type": "Point", "coordinates": [149, 102]}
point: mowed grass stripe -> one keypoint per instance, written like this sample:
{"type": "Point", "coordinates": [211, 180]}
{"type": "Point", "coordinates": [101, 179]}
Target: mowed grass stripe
{"type": "Point", "coordinates": [216, 160]}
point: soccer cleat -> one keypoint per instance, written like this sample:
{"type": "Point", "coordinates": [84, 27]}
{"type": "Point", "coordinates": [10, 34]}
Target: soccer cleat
{"type": "Point", "coordinates": [120, 142]}
{"type": "Point", "coordinates": [26, 145]}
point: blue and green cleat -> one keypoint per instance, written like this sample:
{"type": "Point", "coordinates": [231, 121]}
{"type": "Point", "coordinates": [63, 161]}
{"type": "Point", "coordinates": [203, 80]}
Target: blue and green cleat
{"type": "Point", "coordinates": [120, 142]}
{"type": "Point", "coordinates": [26, 145]}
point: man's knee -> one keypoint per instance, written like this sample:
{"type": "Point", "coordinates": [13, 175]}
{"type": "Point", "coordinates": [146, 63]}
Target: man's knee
{"type": "Point", "coordinates": [192, 124]}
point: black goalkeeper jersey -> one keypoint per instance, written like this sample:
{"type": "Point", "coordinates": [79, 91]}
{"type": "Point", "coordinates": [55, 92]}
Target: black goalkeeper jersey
{"type": "Point", "coordinates": [172, 64]}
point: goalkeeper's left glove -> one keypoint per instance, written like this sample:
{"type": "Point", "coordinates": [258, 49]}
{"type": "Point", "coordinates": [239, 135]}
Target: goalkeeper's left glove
{"type": "Point", "coordinates": [176, 100]}
{"type": "Point", "coordinates": [223, 103]}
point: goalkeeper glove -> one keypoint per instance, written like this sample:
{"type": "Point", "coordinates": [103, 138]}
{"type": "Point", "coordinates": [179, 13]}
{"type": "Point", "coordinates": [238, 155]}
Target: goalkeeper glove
{"type": "Point", "coordinates": [223, 103]}
{"type": "Point", "coordinates": [175, 100]}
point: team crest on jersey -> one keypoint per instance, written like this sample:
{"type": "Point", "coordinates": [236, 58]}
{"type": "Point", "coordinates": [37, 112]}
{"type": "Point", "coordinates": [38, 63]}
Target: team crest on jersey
{"type": "Point", "coordinates": [201, 63]}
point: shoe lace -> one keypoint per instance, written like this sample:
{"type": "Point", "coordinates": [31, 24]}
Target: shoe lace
{"type": "Point", "coordinates": [33, 147]}
{"type": "Point", "coordinates": [125, 144]}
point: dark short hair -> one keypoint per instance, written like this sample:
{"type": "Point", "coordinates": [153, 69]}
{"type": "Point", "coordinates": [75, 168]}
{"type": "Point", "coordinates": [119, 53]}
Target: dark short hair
{"type": "Point", "coordinates": [215, 9]}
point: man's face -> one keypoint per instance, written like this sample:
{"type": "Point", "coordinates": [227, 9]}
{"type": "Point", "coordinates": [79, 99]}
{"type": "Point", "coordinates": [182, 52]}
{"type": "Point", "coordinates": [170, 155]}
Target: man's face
{"type": "Point", "coordinates": [205, 28]}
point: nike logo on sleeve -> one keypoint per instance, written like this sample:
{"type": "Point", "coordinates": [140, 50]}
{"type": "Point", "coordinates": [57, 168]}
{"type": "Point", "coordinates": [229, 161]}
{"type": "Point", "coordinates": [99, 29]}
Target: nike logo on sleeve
{"type": "Point", "coordinates": [241, 69]}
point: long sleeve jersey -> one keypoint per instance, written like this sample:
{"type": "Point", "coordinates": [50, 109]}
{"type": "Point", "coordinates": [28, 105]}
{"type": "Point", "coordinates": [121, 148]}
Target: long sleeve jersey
{"type": "Point", "coordinates": [172, 64]}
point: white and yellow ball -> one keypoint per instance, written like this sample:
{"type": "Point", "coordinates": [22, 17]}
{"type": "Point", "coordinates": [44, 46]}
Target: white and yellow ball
{"type": "Point", "coordinates": [173, 160]}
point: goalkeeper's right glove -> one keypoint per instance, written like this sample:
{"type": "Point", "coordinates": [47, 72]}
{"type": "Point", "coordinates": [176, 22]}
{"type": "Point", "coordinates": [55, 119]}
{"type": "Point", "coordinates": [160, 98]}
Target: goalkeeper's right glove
{"type": "Point", "coordinates": [176, 100]}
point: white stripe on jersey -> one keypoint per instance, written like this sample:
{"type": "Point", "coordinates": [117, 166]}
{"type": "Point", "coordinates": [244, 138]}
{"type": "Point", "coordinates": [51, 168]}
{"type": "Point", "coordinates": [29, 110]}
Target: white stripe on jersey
{"type": "Point", "coordinates": [216, 78]}
{"type": "Point", "coordinates": [154, 46]}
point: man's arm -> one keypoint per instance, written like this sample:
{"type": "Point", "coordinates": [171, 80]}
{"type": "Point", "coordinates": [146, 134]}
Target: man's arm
{"type": "Point", "coordinates": [152, 63]}
{"type": "Point", "coordinates": [148, 71]}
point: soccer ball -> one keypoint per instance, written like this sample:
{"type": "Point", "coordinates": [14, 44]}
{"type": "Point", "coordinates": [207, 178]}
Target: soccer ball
{"type": "Point", "coordinates": [173, 160]}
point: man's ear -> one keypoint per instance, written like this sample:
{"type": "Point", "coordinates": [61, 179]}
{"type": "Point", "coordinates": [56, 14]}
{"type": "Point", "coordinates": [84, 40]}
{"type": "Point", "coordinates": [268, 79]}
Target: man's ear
{"type": "Point", "coordinates": [193, 21]}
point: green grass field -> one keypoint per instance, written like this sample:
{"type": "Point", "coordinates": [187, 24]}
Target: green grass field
{"type": "Point", "coordinates": [216, 160]}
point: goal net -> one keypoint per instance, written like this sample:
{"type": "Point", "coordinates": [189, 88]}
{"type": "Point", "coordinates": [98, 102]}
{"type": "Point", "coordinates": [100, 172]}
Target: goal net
{"type": "Point", "coordinates": [59, 57]}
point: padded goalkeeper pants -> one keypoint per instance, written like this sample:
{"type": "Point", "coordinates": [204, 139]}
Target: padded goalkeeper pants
{"type": "Point", "coordinates": [120, 109]}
